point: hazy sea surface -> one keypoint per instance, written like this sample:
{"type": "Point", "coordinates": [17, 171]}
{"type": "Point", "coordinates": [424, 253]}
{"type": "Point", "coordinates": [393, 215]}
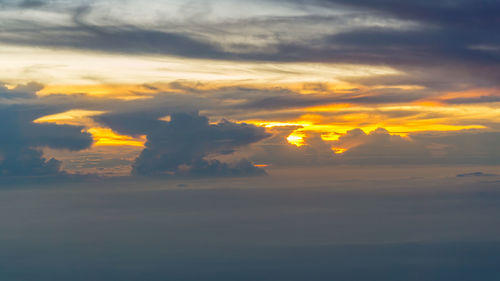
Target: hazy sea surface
{"type": "Point", "coordinates": [348, 223]}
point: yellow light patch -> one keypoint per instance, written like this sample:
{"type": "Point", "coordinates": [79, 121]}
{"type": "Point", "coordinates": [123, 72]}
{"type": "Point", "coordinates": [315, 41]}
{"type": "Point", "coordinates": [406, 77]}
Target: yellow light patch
{"type": "Point", "coordinates": [339, 150]}
{"type": "Point", "coordinates": [101, 136]}
{"type": "Point", "coordinates": [296, 138]}
{"type": "Point", "coordinates": [120, 91]}
{"type": "Point", "coordinates": [276, 124]}
{"type": "Point", "coordinates": [474, 93]}
{"type": "Point", "coordinates": [72, 117]}
{"type": "Point", "coordinates": [106, 137]}
{"type": "Point", "coordinates": [428, 103]}
{"type": "Point", "coordinates": [70, 67]}
{"type": "Point", "coordinates": [332, 136]}
{"type": "Point", "coordinates": [327, 108]}
{"type": "Point", "coordinates": [402, 87]}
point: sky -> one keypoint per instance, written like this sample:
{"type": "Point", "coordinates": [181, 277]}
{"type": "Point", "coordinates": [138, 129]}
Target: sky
{"type": "Point", "coordinates": [356, 111]}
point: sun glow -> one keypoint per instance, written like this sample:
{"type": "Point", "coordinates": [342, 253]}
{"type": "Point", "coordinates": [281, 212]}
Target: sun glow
{"type": "Point", "coordinates": [102, 136]}
{"type": "Point", "coordinates": [339, 150]}
{"type": "Point", "coordinates": [106, 137]}
{"type": "Point", "coordinates": [70, 67]}
{"type": "Point", "coordinates": [296, 138]}
{"type": "Point", "coordinates": [72, 117]}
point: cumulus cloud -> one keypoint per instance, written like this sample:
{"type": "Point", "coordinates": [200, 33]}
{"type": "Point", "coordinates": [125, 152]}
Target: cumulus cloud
{"type": "Point", "coordinates": [181, 146]}
{"type": "Point", "coordinates": [379, 147]}
{"type": "Point", "coordinates": [22, 139]}
{"type": "Point", "coordinates": [276, 150]}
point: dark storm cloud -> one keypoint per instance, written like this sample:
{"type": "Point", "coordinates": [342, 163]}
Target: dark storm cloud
{"type": "Point", "coordinates": [180, 147]}
{"type": "Point", "coordinates": [21, 139]}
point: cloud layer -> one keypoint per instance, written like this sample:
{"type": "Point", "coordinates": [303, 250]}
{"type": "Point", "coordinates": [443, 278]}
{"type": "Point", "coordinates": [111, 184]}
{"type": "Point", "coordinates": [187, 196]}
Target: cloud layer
{"type": "Point", "coordinates": [453, 37]}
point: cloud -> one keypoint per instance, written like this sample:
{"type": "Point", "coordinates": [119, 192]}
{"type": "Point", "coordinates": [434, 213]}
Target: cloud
{"type": "Point", "coordinates": [460, 13]}
{"type": "Point", "coordinates": [31, 4]}
{"type": "Point", "coordinates": [277, 152]}
{"type": "Point", "coordinates": [480, 99]}
{"type": "Point", "coordinates": [181, 146]}
{"type": "Point", "coordinates": [20, 91]}
{"type": "Point", "coordinates": [289, 99]}
{"type": "Point", "coordinates": [142, 117]}
{"type": "Point", "coordinates": [411, 37]}
{"type": "Point", "coordinates": [475, 174]}
{"type": "Point", "coordinates": [125, 38]}
{"type": "Point", "coordinates": [379, 147]}
{"type": "Point", "coordinates": [20, 153]}
{"type": "Point", "coordinates": [438, 43]}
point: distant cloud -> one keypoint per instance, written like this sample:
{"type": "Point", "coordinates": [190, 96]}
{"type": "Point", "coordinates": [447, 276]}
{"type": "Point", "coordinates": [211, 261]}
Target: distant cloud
{"type": "Point", "coordinates": [379, 147]}
{"type": "Point", "coordinates": [20, 91]}
{"type": "Point", "coordinates": [205, 140]}
{"type": "Point", "coordinates": [475, 174]}
{"type": "Point", "coordinates": [21, 140]}
{"type": "Point", "coordinates": [180, 147]}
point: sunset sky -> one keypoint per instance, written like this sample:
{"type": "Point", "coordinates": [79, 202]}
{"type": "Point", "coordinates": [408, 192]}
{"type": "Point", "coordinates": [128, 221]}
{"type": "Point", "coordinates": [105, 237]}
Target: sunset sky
{"type": "Point", "coordinates": [333, 79]}
{"type": "Point", "coordinates": [171, 93]}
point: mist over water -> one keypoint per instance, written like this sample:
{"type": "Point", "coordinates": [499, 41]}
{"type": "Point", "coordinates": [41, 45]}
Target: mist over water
{"type": "Point", "coordinates": [310, 224]}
